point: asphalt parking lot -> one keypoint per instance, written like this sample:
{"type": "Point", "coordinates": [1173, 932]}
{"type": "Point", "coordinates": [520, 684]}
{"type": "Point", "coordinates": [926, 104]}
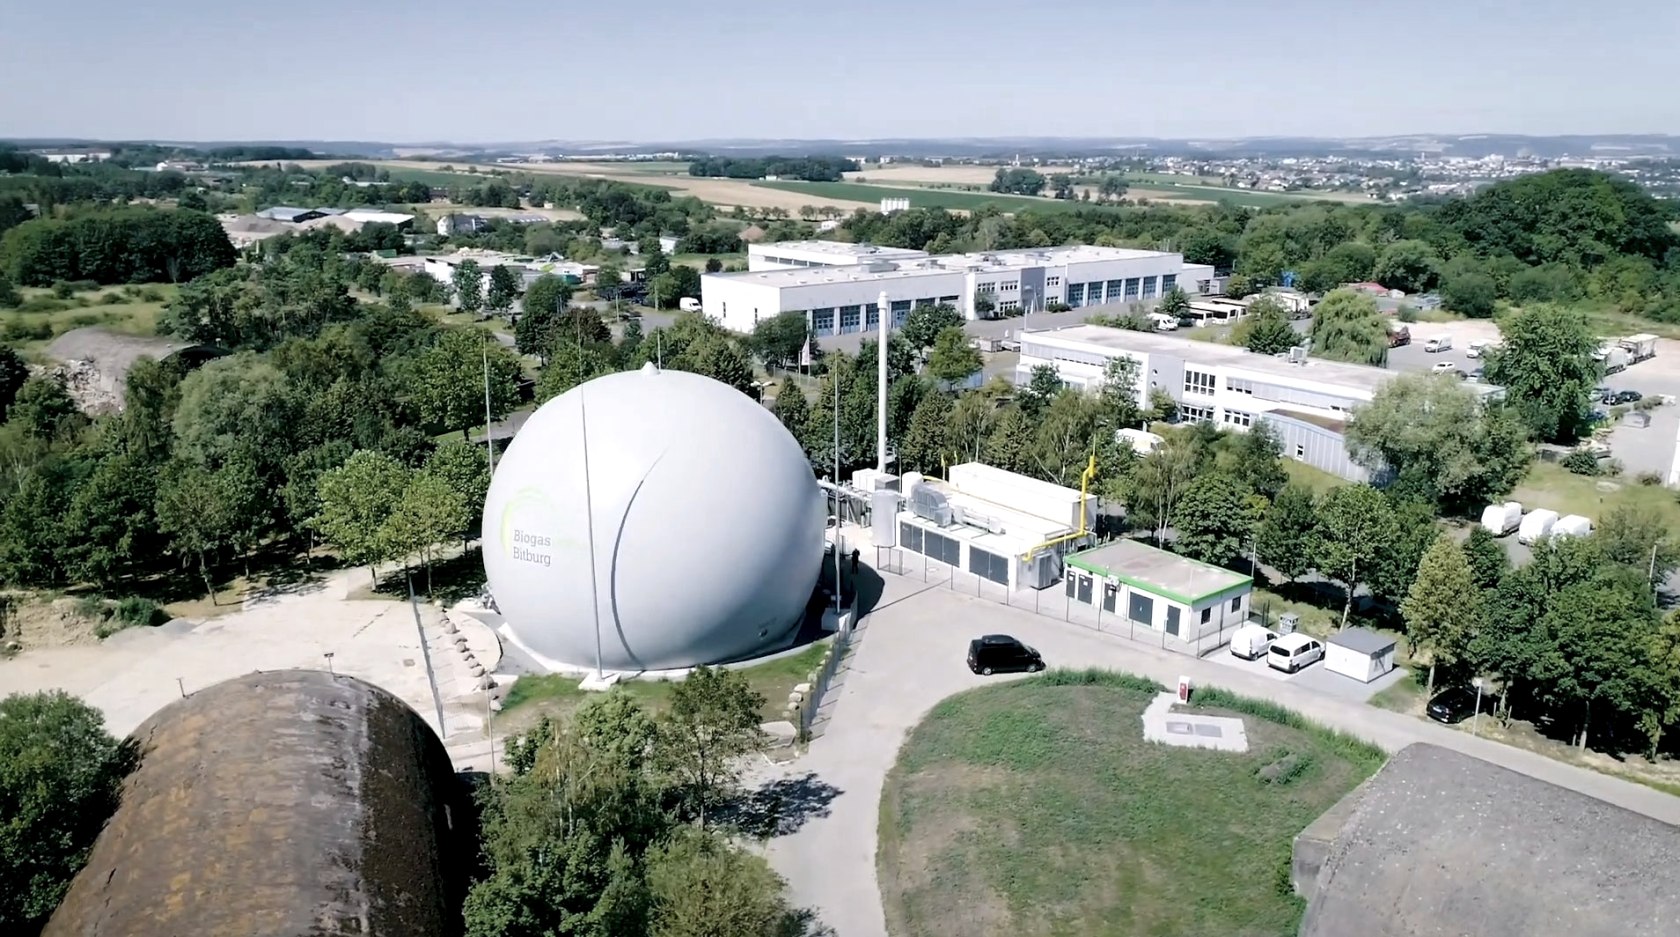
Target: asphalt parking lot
{"type": "Point", "coordinates": [1314, 678]}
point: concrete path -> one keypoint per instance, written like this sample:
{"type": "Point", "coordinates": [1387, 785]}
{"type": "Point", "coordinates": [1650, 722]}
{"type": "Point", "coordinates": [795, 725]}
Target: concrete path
{"type": "Point", "coordinates": [909, 654]}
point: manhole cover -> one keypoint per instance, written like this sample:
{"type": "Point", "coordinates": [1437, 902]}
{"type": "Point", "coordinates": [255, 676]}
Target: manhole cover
{"type": "Point", "coordinates": [1180, 728]}
{"type": "Point", "coordinates": [1211, 732]}
{"type": "Point", "coordinates": [408, 662]}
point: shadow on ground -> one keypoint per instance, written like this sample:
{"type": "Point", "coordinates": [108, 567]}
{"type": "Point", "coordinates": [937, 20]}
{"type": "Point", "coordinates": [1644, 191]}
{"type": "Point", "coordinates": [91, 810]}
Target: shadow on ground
{"type": "Point", "coordinates": [780, 806]}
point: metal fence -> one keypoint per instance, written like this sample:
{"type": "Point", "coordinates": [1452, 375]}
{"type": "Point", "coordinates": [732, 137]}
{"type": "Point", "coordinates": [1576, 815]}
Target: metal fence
{"type": "Point", "coordinates": [1053, 602]}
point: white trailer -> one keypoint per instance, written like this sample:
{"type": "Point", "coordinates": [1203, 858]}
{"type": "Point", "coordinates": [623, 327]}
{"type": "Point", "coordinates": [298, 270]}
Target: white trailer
{"type": "Point", "coordinates": [1501, 519]}
{"type": "Point", "coordinates": [1537, 526]}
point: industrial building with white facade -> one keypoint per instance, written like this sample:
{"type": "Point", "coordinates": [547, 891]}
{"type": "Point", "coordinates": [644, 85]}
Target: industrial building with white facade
{"type": "Point", "coordinates": [1307, 401]}
{"type": "Point", "coordinates": [837, 285]}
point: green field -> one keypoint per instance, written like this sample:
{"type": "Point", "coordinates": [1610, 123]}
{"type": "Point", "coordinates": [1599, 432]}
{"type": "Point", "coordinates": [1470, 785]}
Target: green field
{"type": "Point", "coordinates": [1036, 807]}
{"type": "Point", "coordinates": [558, 694]}
{"type": "Point", "coordinates": [1215, 193]}
{"type": "Point", "coordinates": [1549, 485]}
{"type": "Point", "coordinates": [31, 332]}
{"type": "Point", "coordinates": [924, 198]}
{"type": "Point", "coordinates": [436, 177]}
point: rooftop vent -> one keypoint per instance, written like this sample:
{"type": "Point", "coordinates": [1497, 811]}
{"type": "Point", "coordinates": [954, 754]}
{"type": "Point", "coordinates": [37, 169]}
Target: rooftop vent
{"type": "Point", "coordinates": [931, 505]}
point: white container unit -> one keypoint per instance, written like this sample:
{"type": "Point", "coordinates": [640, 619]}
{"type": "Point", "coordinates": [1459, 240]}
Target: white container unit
{"type": "Point", "coordinates": [1537, 526]}
{"type": "Point", "coordinates": [1572, 526]}
{"type": "Point", "coordinates": [1501, 519]}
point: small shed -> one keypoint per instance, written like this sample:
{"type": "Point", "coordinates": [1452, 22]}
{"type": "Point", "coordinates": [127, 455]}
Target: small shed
{"type": "Point", "coordinates": [1359, 653]}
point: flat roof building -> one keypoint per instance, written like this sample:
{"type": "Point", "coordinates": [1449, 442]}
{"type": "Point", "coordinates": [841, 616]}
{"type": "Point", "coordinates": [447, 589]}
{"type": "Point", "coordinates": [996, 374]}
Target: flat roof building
{"type": "Point", "coordinates": [1151, 588]}
{"type": "Point", "coordinates": [1004, 527]}
{"type": "Point", "coordinates": [837, 286]}
{"type": "Point", "coordinates": [783, 255]}
{"type": "Point", "coordinates": [1307, 401]}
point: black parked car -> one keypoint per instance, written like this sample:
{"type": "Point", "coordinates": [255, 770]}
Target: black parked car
{"type": "Point", "coordinates": [1623, 397]}
{"type": "Point", "coordinates": [997, 653]}
{"type": "Point", "coordinates": [1456, 705]}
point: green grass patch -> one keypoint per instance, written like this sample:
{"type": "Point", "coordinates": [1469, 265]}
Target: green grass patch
{"type": "Point", "coordinates": [1036, 807]}
{"type": "Point", "coordinates": [1176, 185]}
{"type": "Point", "coordinates": [558, 694]}
{"type": "Point", "coordinates": [435, 177]}
{"type": "Point", "coordinates": [1549, 485]}
{"type": "Point", "coordinates": [698, 261]}
{"type": "Point", "coordinates": [1315, 479]}
{"type": "Point", "coordinates": [132, 310]}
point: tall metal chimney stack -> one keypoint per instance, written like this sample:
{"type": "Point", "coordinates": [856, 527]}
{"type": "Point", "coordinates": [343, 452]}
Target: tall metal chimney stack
{"type": "Point", "coordinates": [883, 316]}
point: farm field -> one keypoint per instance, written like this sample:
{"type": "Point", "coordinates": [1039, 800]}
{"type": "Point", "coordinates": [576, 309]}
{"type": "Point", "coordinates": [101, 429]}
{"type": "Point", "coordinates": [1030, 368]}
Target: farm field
{"type": "Point", "coordinates": [1037, 807]}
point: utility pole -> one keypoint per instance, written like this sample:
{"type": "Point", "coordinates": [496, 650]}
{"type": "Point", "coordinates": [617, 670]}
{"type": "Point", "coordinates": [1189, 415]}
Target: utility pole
{"type": "Point", "coordinates": [881, 316]}
{"type": "Point", "coordinates": [589, 515]}
{"type": "Point", "coordinates": [489, 437]}
{"type": "Point", "coordinates": [836, 376]}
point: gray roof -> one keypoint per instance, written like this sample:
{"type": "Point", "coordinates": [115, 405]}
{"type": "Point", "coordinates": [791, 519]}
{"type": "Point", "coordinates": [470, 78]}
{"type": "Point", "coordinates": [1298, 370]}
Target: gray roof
{"type": "Point", "coordinates": [1189, 581]}
{"type": "Point", "coordinates": [1362, 640]}
{"type": "Point", "coordinates": [1442, 843]}
{"type": "Point", "coordinates": [285, 803]}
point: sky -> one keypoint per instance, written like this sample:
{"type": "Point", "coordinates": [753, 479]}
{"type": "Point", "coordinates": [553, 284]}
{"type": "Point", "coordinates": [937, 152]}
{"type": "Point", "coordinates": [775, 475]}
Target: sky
{"type": "Point", "coordinates": [500, 71]}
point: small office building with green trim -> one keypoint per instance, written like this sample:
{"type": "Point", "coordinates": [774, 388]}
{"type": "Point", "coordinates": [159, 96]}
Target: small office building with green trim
{"type": "Point", "coordinates": [1176, 595]}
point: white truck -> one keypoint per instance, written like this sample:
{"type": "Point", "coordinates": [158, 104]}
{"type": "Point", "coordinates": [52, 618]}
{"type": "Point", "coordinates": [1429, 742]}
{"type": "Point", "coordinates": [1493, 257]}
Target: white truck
{"type": "Point", "coordinates": [1438, 343]}
{"type": "Point", "coordinates": [1639, 347]}
{"type": "Point", "coordinates": [1612, 357]}
{"type": "Point", "coordinates": [688, 304]}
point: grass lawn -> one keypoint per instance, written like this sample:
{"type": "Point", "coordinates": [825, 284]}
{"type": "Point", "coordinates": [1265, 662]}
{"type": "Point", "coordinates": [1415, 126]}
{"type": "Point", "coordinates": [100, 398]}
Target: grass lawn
{"type": "Point", "coordinates": [1144, 184]}
{"type": "Point", "coordinates": [31, 332]}
{"type": "Point", "coordinates": [1548, 485]}
{"type": "Point", "coordinates": [1316, 479]}
{"type": "Point", "coordinates": [1036, 807]}
{"type": "Point", "coordinates": [557, 694]}
{"type": "Point", "coordinates": [698, 261]}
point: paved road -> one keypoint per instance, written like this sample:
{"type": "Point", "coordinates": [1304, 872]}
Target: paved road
{"type": "Point", "coordinates": [908, 655]}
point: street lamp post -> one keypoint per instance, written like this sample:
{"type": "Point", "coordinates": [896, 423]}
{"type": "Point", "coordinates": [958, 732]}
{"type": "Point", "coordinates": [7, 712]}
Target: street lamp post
{"type": "Point", "coordinates": [1476, 718]}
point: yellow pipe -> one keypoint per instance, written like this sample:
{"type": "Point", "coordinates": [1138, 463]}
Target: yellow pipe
{"type": "Point", "coordinates": [1084, 486]}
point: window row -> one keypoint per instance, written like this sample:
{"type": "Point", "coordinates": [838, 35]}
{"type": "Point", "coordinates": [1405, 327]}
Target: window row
{"type": "Point", "coordinates": [1239, 418]}
{"type": "Point", "coordinates": [1199, 382]}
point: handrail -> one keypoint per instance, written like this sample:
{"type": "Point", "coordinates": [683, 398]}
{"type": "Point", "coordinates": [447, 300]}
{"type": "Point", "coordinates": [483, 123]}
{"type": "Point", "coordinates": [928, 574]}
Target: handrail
{"type": "Point", "coordinates": [1084, 486]}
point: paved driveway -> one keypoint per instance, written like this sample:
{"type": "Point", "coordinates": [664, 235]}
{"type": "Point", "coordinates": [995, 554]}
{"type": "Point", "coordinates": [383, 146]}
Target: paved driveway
{"type": "Point", "coordinates": [909, 654]}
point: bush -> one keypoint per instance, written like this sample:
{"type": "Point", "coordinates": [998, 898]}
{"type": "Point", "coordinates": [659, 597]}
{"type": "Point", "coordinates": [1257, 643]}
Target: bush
{"type": "Point", "coordinates": [151, 294]}
{"type": "Point", "coordinates": [113, 299]}
{"type": "Point", "coordinates": [1581, 462]}
{"type": "Point", "coordinates": [1093, 676]}
{"type": "Point", "coordinates": [1358, 751]}
{"type": "Point", "coordinates": [84, 319]}
{"type": "Point", "coordinates": [63, 290]}
{"type": "Point", "coordinates": [43, 304]}
{"type": "Point", "coordinates": [1648, 479]}
{"type": "Point", "coordinates": [1406, 314]}
{"type": "Point", "coordinates": [25, 331]}
{"type": "Point", "coordinates": [82, 286]}
{"type": "Point", "coordinates": [138, 612]}
{"type": "Point", "coordinates": [1057, 307]}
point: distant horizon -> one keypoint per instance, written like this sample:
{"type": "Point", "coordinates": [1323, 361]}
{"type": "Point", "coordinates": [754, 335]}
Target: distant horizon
{"type": "Point", "coordinates": [68, 139]}
{"type": "Point", "coordinates": [417, 70]}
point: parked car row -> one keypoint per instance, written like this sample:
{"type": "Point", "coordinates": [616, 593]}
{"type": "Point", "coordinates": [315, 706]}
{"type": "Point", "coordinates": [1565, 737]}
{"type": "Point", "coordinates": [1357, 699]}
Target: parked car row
{"type": "Point", "coordinates": [1289, 653]}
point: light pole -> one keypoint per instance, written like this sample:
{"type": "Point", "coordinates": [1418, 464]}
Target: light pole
{"type": "Point", "coordinates": [1476, 718]}
{"type": "Point", "coordinates": [329, 656]}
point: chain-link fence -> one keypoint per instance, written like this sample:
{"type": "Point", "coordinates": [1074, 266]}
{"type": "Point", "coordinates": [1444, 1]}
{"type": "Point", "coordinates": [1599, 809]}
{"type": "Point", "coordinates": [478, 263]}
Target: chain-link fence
{"type": "Point", "coordinates": [1053, 602]}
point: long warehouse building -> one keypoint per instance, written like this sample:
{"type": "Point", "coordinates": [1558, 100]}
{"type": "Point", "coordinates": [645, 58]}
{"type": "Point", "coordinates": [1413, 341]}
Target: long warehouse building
{"type": "Point", "coordinates": [837, 286]}
{"type": "Point", "coordinates": [1307, 401]}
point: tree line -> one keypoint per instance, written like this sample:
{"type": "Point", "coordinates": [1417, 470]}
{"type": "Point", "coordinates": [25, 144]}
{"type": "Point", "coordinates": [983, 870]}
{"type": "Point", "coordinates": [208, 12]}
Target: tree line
{"type": "Point", "coordinates": [208, 469]}
{"type": "Point", "coordinates": [1566, 236]}
{"type": "Point", "coordinates": [806, 168]}
{"type": "Point", "coordinates": [133, 245]}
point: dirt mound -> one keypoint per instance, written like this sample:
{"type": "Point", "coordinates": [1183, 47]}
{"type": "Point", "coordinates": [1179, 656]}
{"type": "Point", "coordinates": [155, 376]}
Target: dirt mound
{"type": "Point", "coordinates": [55, 623]}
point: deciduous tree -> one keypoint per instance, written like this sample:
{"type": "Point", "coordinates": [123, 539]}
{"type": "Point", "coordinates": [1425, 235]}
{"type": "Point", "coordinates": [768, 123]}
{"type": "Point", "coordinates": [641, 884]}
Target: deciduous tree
{"type": "Point", "coordinates": [468, 280]}
{"type": "Point", "coordinates": [927, 442]}
{"type": "Point", "coordinates": [712, 722]}
{"type": "Point", "coordinates": [448, 380]}
{"type": "Point", "coordinates": [1346, 326]}
{"type": "Point", "coordinates": [954, 358]}
{"type": "Point", "coordinates": [925, 322]}
{"type": "Point", "coordinates": [1547, 369]}
{"type": "Point", "coordinates": [504, 288]}
{"type": "Point", "coordinates": [1442, 607]}
{"type": "Point", "coordinates": [1286, 538]}
{"type": "Point", "coordinates": [357, 498]}
{"type": "Point", "coordinates": [1355, 527]}
{"type": "Point", "coordinates": [1213, 519]}
{"type": "Point", "coordinates": [59, 776]}
{"type": "Point", "coordinates": [1441, 440]}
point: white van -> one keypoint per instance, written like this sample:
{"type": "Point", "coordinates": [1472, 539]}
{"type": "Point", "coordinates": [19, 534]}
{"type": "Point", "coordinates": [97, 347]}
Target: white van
{"type": "Point", "coordinates": [1476, 348]}
{"type": "Point", "coordinates": [1294, 651]}
{"type": "Point", "coordinates": [1251, 642]}
{"type": "Point", "coordinates": [1537, 526]}
{"type": "Point", "coordinates": [1501, 519]}
{"type": "Point", "coordinates": [1161, 322]}
{"type": "Point", "coordinates": [1438, 343]}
